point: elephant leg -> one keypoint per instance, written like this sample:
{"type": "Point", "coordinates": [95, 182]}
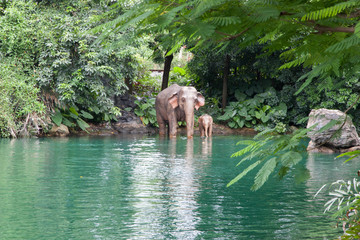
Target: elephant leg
{"type": "Point", "coordinates": [201, 128]}
{"type": "Point", "coordinates": [210, 129]}
{"type": "Point", "coordinates": [162, 126]}
{"type": "Point", "coordinates": [172, 126]}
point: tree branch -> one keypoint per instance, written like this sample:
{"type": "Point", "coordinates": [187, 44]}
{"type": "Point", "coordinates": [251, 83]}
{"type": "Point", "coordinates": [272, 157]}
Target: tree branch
{"type": "Point", "coordinates": [231, 37]}
{"type": "Point", "coordinates": [323, 29]}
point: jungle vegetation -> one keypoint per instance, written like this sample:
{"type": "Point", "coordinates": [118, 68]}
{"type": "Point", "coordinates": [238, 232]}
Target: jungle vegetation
{"type": "Point", "coordinates": [260, 64]}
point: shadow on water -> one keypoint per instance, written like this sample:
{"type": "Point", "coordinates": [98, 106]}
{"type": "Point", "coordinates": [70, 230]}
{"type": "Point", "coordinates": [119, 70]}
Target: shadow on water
{"type": "Point", "coordinates": [138, 187]}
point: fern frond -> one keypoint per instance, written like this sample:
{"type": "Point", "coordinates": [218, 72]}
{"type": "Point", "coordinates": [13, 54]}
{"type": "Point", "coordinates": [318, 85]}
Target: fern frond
{"type": "Point", "coordinates": [124, 21]}
{"type": "Point", "coordinates": [330, 11]}
{"type": "Point", "coordinates": [347, 43]}
{"type": "Point", "coordinates": [268, 37]}
{"type": "Point", "coordinates": [177, 46]}
{"type": "Point", "coordinates": [224, 21]}
{"type": "Point", "coordinates": [357, 30]}
{"type": "Point", "coordinates": [290, 159]}
{"type": "Point", "coordinates": [264, 173]}
{"type": "Point", "coordinates": [310, 76]}
{"type": "Point", "coordinates": [266, 2]}
{"type": "Point", "coordinates": [265, 13]}
{"type": "Point", "coordinates": [166, 18]}
{"type": "Point", "coordinates": [295, 62]}
{"type": "Point", "coordinates": [206, 5]}
{"type": "Point", "coordinates": [243, 173]}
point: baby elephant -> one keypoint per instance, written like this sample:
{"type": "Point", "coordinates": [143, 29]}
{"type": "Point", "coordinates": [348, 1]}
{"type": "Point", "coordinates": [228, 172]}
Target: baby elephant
{"type": "Point", "coordinates": [205, 125]}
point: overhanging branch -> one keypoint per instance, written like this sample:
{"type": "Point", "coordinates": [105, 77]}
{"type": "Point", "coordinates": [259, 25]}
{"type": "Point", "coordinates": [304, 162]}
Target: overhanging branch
{"type": "Point", "coordinates": [231, 37]}
{"type": "Point", "coordinates": [323, 29]}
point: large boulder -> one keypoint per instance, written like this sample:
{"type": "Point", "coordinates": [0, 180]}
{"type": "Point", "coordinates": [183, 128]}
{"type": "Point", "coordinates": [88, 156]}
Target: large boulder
{"type": "Point", "coordinates": [131, 124]}
{"type": "Point", "coordinates": [334, 139]}
{"type": "Point", "coordinates": [61, 131]}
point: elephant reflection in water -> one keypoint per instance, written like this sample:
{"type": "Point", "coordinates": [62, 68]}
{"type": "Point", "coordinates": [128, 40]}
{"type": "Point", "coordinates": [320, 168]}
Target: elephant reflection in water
{"type": "Point", "coordinates": [206, 147]}
{"type": "Point", "coordinates": [185, 192]}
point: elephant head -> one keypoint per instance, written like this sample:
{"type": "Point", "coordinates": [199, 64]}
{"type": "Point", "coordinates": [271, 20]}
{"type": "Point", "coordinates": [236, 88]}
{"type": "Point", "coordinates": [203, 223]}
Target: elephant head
{"type": "Point", "coordinates": [186, 100]}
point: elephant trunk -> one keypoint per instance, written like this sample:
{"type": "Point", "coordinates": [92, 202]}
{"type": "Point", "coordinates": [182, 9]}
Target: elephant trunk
{"type": "Point", "coordinates": [189, 122]}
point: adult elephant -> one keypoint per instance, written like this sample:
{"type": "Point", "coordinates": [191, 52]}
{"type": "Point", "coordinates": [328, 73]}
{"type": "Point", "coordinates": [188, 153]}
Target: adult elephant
{"type": "Point", "coordinates": [177, 103]}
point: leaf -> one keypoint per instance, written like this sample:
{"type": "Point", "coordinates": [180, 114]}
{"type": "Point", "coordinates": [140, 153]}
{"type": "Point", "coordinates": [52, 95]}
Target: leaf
{"type": "Point", "coordinates": [329, 125]}
{"type": "Point", "coordinates": [290, 158]}
{"type": "Point", "coordinates": [265, 118]}
{"type": "Point", "coordinates": [82, 124]}
{"type": "Point", "coordinates": [240, 96]}
{"type": "Point", "coordinates": [357, 29]}
{"type": "Point", "coordinates": [258, 114]}
{"type": "Point", "coordinates": [319, 190]}
{"type": "Point", "coordinates": [106, 117]}
{"type": "Point", "coordinates": [179, 70]}
{"type": "Point", "coordinates": [345, 44]}
{"type": "Point", "coordinates": [57, 118]}
{"type": "Point", "coordinates": [95, 109]}
{"type": "Point", "coordinates": [232, 124]}
{"type": "Point", "coordinates": [86, 115]}
{"type": "Point", "coordinates": [67, 122]}
{"type": "Point", "coordinates": [264, 173]}
{"type": "Point", "coordinates": [306, 83]}
{"type": "Point", "coordinates": [351, 155]}
{"type": "Point", "coordinates": [330, 11]}
{"type": "Point", "coordinates": [145, 121]}
{"type": "Point", "coordinates": [329, 204]}
{"type": "Point", "coordinates": [243, 173]}
{"type": "Point", "coordinates": [74, 116]}
{"type": "Point", "coordinates": [265, 13]}
{"type": "Point", "coordinates": [73, 110]}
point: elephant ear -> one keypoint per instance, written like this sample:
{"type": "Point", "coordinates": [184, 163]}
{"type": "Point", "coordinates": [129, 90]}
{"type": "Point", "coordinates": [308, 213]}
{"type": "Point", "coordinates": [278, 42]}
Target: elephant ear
{"type": "Point", "coordinates": [173, 100]}
{"type": "Point", "coordinates": [200, 101]}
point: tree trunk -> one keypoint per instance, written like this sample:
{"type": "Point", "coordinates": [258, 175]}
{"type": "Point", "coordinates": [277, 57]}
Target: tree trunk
{"type": "Point", "coordinates": [225, 81]}
{"type": "Point", "coordinates": [129, 85]}
{"type": "Point", "coordinates": [166, 73]}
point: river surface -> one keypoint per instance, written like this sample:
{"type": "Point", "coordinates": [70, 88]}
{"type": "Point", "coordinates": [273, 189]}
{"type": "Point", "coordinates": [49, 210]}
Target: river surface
{"type": "Point", "coordinates": [143, 187]}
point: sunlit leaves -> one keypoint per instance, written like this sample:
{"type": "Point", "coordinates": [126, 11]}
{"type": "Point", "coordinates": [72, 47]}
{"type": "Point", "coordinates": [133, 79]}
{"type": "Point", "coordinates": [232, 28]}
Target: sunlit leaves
{"type": "Point", "coordinates": [330, 11]}
{"type": "Point", "coordinates": [276, 153]}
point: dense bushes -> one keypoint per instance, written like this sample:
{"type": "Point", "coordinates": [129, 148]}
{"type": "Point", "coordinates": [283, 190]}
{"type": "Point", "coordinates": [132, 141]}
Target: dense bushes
{"type": "Point", "coordinates": [252, 73]}
{"type": "Point", "coordinates": [19, 103]}
{"type": "Point", "coordinates": [52, 45]}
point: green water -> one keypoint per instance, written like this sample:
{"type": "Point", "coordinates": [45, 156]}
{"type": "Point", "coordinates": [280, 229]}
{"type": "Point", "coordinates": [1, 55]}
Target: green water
{"type": "Point", "coordinates": [147, 188]}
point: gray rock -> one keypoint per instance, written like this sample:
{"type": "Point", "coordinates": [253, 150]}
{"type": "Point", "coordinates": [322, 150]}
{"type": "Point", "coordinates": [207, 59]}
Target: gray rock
{"type": "Point", "coordinates": [332, 138]}
{"type": "Point", "coordinates": [135, 127]}
{"type": "Point", "coordinates": [61, 130]}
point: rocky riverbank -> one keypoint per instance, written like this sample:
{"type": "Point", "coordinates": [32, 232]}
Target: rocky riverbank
{"type": "Point", "coordinates": [129, 123]}
{"type": "Point", "coordinates": [137, 127]}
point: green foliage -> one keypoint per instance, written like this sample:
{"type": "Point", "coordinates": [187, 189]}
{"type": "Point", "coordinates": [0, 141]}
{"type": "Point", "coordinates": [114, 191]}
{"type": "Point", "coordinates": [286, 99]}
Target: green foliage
{"type": "Point", "coordinates": [276, 153]}
{"type": "Point", "coordinates": [345, 202]}
{"type": "Point", "coordinates": [250, 74]}
{"type": "Point", "coordinates": [146, 111]}
{"type": "Point", "coordinates": [147, 85]}
{"type": "Point", "coordinates": [72, 118]}
{"type": "Point", "coordinates": [180, 76]}
{"type": "Point", "coordinates": [254, 112]}
{"type": "Point", "coordinates": [329, 11]}
{"type": "Point", "coordinates": [18, 99]}
{"type": "Point", "coordinates": [319, 35]}
{"type": "Point", "coordinates": [51, 43]}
